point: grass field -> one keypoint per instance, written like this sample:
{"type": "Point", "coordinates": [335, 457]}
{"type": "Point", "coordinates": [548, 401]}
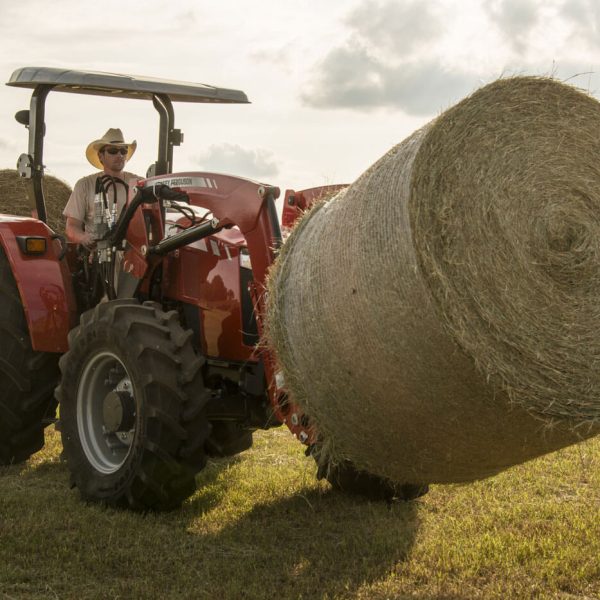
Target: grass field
{"type": "Point", "coordinates": [260, 526]}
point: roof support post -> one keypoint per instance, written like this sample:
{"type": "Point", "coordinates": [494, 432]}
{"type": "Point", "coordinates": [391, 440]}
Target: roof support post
{"type": "Point", "coordinates": [163, 164]}
{"type": "Point", "coordinates": [31, 165]}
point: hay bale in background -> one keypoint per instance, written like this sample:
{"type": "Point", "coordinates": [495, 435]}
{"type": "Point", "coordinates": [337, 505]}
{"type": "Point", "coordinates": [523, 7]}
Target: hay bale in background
{"type": "Point", "coordinates": [15, 192]}
{"type": "Point", "coordinates": [439, 320]}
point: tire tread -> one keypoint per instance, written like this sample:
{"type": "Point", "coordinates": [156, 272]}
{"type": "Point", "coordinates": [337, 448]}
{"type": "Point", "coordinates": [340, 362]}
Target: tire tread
{"type": "Point", "coordinates": [162, 472]}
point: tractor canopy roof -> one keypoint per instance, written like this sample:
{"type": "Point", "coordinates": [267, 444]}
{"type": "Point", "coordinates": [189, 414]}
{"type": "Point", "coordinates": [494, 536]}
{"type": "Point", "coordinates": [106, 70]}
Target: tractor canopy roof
{"type": "Point", "coordinates": [122, 86]}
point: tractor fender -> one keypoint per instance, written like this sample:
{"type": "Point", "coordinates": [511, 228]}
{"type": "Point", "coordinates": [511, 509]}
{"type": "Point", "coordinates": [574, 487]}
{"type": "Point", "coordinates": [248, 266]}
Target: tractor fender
{"type": "Point", "coordinates": [297, 202]}
{"type": "Point", "coordinates": [44, 284]}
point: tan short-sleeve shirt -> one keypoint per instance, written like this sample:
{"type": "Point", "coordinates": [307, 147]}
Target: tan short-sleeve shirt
{"type": "Point", "coordinates": [80, 205]}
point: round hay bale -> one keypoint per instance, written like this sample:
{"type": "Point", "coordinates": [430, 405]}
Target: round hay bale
{"type": "Point", "coordinates": [15, 194]}
{"type": "Point", "coordinates": [439, 320]}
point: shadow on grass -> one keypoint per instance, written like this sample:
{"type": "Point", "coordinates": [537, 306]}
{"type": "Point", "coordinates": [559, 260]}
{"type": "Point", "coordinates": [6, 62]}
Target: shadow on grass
{"type": "Point", "coordinates": [320, 544]}
{"type": "Point", "coordinates": [6, 470]}
{"type": "Point", "coordinates": [223, 544]}
{"type": "Point", "coordinates": [27, 470]}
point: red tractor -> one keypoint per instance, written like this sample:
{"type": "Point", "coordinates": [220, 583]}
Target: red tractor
{"type": "Point", "coordinates": [155, 362]}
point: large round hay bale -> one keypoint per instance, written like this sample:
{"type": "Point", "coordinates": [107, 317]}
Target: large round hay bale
{"type": "Point", "coordinates": [440, 319]}
{"type": "Point", "coordinates": [15, 194]}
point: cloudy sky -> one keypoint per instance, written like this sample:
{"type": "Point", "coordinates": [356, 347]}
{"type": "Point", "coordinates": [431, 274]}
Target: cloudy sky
{"type": "Point", "coordinates": [333, 84]}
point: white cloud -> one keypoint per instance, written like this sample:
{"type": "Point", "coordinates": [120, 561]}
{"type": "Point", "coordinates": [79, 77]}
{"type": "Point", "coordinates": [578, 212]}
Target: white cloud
{"type": "Point", "coordinates": [420, 57]}
{"type": "Point", "coordinates": [351, 78]}
{"type": "Point", "coordinates": [389, 60]}
{"type": "Point", "coordinates": [516, 19]}
{"type": "Point", "coordinates": [584, 18]}
{"type": "Point", "coordinates": [243, 162]}
{"type": "Point", "coordinates": [397, 27]}
{"type": "Point", "coordinates": [348, 77]}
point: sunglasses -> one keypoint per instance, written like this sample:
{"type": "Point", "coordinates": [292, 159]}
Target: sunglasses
{"type": "Point", "coordinates": [114, 151]}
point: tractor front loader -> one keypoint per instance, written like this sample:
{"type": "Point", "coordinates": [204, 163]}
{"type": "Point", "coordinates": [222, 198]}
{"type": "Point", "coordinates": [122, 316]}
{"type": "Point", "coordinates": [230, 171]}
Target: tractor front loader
{"type": "Point", "coordinates": [152, 339]}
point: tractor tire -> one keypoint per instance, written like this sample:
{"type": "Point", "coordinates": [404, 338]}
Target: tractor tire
{"type": "Point", "coordinates": [28, 378]}
{"type": "Point", "coordinates": [132, 407]}
{"type": "Point", "coordinates": [345, 477]}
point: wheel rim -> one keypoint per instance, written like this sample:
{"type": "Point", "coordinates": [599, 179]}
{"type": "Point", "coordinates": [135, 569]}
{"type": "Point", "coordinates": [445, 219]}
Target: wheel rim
{"type": "Point", "coordinates": [106, 449]}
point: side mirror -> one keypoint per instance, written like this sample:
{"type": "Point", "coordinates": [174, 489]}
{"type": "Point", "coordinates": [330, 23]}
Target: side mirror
{"type": "Point", "coordinates": [23, 117]}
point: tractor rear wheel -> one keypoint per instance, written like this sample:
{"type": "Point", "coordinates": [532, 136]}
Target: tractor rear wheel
{"type": "Point", "coordinates": [132, 407]}
{"type": "Point", "coordinates": [28, 378]}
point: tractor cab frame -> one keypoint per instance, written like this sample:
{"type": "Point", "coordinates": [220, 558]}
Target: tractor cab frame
{"type": "Point", "coordinates": [161, 92]}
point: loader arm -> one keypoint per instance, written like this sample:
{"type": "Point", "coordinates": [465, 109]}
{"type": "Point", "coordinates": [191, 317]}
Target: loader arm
{"type": "Point", "coordinates": [232, 201]}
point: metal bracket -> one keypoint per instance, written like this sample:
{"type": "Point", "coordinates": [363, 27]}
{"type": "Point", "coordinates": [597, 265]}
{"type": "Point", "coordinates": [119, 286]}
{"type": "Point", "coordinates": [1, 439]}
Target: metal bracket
{"type": "Point", "coordinates": [24, 166]}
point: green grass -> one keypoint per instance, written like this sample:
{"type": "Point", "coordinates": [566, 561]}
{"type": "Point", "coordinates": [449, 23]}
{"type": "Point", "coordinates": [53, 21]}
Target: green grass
{"type": "Point", "coordinates": [260, 526]}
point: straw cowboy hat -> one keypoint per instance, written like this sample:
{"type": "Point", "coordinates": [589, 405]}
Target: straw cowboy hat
{"type": "Point", "coordinates": [113, 137]}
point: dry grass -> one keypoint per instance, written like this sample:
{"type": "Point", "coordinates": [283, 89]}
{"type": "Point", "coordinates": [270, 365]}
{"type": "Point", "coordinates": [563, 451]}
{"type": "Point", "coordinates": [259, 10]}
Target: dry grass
{"type": "Point", "coordinates": [261, 527]}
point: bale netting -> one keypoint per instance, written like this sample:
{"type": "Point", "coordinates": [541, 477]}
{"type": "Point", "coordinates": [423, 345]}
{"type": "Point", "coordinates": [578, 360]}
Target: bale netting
{"type": "Point", "coordinates": [440, 320]}
{"type": "Point", "coordinates": [16, 194]}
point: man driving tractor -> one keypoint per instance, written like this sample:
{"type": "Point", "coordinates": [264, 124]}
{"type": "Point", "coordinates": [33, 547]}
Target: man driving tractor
{"type": "Point", "coordinates": [110, 154]}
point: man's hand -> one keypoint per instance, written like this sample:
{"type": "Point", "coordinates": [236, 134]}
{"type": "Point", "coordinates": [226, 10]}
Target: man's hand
{"type": "Point", "coordinates": [87, 240]}
{"type": "Point", "coordinates": [76, 233]}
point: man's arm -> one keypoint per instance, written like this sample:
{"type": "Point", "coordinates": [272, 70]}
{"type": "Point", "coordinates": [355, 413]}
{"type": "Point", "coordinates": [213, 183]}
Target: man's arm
{"type": "Point", "coordinates": [76, 233]}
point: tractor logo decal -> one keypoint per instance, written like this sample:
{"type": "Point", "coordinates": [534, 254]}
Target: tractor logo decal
{"type": "Point", "coordinates": [202, 182]}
